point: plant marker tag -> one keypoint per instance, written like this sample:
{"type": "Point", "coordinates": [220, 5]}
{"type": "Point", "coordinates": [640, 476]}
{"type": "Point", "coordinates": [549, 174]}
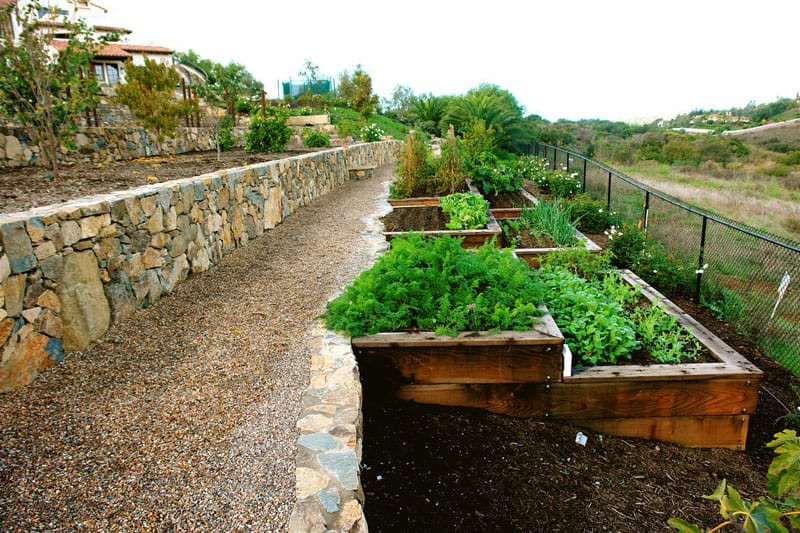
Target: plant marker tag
{"type": "Point", "coordinates": [567, 370]}
{"type": "Point", "coordinates": [781, 291]}
{"type": "Point", "coordinates": [581, 439]}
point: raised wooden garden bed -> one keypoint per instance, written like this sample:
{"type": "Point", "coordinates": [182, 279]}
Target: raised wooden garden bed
{"type": "Point", "coordinates": [692, 404]}
{"type": "Point", "coordinates": [471, 358]}
{"type": "Point", "coordinates": [532, 255]}
{"type": "Point", "coordinates": [430, 221]}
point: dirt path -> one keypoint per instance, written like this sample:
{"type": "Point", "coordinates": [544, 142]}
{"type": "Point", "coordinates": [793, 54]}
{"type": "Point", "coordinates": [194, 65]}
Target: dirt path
{"type": "Point", "coordinates": [183, 416]}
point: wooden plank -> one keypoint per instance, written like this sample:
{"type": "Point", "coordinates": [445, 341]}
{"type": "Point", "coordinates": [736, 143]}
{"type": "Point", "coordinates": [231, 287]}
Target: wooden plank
{"type": "Point", "coordinates": [665, 372]}
{"type": "Point", "coordinates": [505, 213]}
{"type": "Point", "coordinates": [581, 401]}
{"type": "Point", "coordinates": [408, 202]}
{"type": "Point", "coordinates": [452, 395]}
{"type": "Point", "coordinates": [466, 364]}
{"type": "Point", "coordinates": [718, 348]}
{"type": "Point", "coordinates": [728, 431]}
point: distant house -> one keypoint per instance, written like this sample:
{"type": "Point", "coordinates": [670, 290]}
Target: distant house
{"type": "Point", "coordinates": [108, 63]}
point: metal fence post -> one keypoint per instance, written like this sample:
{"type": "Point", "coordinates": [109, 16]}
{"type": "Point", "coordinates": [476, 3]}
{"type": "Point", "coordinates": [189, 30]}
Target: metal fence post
{"type": "Point", "coordinates": [608, 200]}
{"type": "Point", "coordinates": [555, 157]}
{"type": "Point", "coordinates": [646, 214]}
{"type": "Point", "coordinates": [701, 258]}
{"type": "Point", "coordinates": [584, 175]}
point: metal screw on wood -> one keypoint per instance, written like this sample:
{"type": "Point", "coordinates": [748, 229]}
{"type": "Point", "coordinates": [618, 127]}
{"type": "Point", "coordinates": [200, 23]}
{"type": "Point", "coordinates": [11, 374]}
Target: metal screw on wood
{"type": "Point", "coordinates": [747, 383]}
{"type": "Point", "coordinates": [744, 409]}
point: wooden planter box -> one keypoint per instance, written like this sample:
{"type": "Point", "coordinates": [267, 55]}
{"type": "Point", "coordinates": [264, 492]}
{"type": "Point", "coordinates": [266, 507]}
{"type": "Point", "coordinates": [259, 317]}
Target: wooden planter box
{"type": "Point", "coordinates": [471, 238]}
{"type": "Point", "coordinates": [420, 200]}
{"type": "Point", "coordinates": [473, 357]}
{"type": "Point", "coordinates": [692, 404]}
{"type": "Point", "coordinates": [532, 255]}
{"type": "Point", "coordinates": [504, 213]}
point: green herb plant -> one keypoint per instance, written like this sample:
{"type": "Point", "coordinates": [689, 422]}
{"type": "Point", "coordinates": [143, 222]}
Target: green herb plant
{"type": "Point", "coordinates": [552, 219]}
{"type": "Point", "coordinates": [769, 513]}
{"type": "Point", "coordinates": [315, 139]}
{"type": "Point", "coordinates": [467, 210]}
{"type": "Point", "coordinates": [589, 215]}
{"type": "Point", "coordinates": [492, 175]}
{"type": "Point", "coordinates": [433, 284]}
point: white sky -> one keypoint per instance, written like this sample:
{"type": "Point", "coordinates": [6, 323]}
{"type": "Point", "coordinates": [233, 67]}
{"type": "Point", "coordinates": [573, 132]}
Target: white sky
{"type": "Point", "coordinates": [614, 59]}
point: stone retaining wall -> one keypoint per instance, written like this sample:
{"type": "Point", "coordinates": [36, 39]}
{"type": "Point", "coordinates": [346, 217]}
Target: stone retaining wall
{"type": "Point", "coordinates": [68, 271]}
{"type": "Point", "coordinates": [104, 144]}
{"type": "Point", "coordinates": [328, 470]}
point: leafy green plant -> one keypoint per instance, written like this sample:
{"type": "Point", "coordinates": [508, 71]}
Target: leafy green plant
{"type": "Point", "coordinates": [371, 133]}
{"type": "Point", "coordinates": [467, 210]}
{"type": "Point", "coordinates": [768, 513]}
{"type": "Point", "coordinates": [723, 303]}
{"type": "Point", "coordinates": [268, 133]}
{"type": "Point", "coordinates": [315, 139]}
{"type": "Point", "coordinates": [434, 284]}
{"type": "Point", "coordinates": [589, 215]}
{"type": "Point", "coordinates": [492, 175]}
{"type": "Point", "coordinates": [225, 134]}
{"type": "Point", "coordinates": [664, 338]}
{"type": "Point", "coordinates": [552, 219]}
{"type": "Point", "coordinates": [594, 325]}
{"type": "Point", "coordinates": [580, 261]}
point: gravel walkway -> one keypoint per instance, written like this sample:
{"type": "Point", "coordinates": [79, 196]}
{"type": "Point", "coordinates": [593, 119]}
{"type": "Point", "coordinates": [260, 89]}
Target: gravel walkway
{"type": "Point", "coordinates": [183, 416]}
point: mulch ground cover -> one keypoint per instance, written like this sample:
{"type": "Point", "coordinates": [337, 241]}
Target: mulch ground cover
{"type": "Point", "coordinates": [25, 188]}
{"type": "Point", "coordinates": [432, 468]}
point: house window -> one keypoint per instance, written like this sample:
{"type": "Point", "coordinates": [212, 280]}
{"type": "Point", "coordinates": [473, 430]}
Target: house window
{"type": "Point", "coordinates": [99, 72]}
{"type": "Point", "coordinates": [112, 74]}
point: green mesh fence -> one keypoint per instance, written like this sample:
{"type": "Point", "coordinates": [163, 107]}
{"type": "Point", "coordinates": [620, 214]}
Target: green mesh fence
{"type": "Point", "coordinates": [745, 267]}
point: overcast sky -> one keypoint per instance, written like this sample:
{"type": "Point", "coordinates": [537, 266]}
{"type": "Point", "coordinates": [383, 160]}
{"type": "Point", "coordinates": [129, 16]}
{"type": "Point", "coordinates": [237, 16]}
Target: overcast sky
{"type": "Point", "coordinates": [562, 59]}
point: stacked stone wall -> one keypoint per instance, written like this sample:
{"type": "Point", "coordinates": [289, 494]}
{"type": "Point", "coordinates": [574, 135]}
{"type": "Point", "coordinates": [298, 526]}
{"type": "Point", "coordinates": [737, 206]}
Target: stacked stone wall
{"type": "Point", "coordinates": [105, 144]}
{"type": "Point", "coordinates": [69, 271]}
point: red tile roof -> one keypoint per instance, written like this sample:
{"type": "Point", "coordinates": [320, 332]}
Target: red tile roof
{"type": "Point", "coordinates": [145, 48]}
{"type": "Point", "coordinates": [109, 51]}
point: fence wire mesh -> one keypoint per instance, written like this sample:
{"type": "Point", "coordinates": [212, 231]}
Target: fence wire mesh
{"type": "Point", "coordinates": [745, 268]}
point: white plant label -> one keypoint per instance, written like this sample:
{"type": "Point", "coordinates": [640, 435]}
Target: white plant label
{"type": "Point", "coordinates": [781, 291]}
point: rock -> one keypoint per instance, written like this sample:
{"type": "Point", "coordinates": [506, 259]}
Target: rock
{"type": "Point", "coordinates": [14, 291]}
{"type": "Point", "coordinates": [55, 351]}
{"type": "Point", "coordinates": [171, 220]}
{"type": "Point", "coordinates": [45, 250]}
{"type": "Point", "coordinates": [35, 228]}
{"type": "Point", "coordinates": [119, 294]}
{"type": "Point", "coordinates": [152, 259]}
{"type": "Point", "coordinates": [343, 465]}
{"type": "Point", "coordinates": [49, 300]}
{"type": "Point", "coordinates": [32, 314]}
{"type": "Point", "coordinates": [148, 204]}
{"type": "Point", "coordinates": [156, 222]}
{"type": "Point", "coordinates": [6, 328]}
{"type": "Point", "coordinates": [309, 482]}
{"type": "Point", "coordinates": [140, 240]}
{"type": "Point", "coordinates": [17, 247]}
{"type": "Point", "coordinates": [90, 226]}
{"type": "Point", "coordinates": [135, 267]}
{"type": "Point", "coordinates": [200, 262]}
{"type": "Point", "coordinates": [84, 309]}
{"type": "Point", "coordinates": [49, 323]}
{"type": "Point", "coordinates": [159, 240]}
{"type": "Point", "coordinates": [319, 441]}
{"type": "Point", "coordinates": [70, 232]}
{"type": "Point", "coordinates": [351, 513]}
{"type": "Point", "coordinates": [178, 273]}
{"type": "Point", "coordinates": [85, 244]}
{"type": "Point", "coordinates": [329, 500]}
{"type": "Point", "coordinates": [13, 148]}
{"type": "Point", "coordinates": [106, 248]}
{"type": "Point", "coordinates": [307, 517]}
{"type": "Point", "coordinates": [51, 267]}
{"type": "Point", "coordinates": [5, 268]}
{"type": "Point", "coordinates": [26, 358]}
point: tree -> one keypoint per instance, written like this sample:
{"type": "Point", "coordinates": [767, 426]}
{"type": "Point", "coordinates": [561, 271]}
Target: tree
{"type": "Point", "coordinates": [496, 107]}
{"type": "Point", "coordinates": [399, 106]}
{"type": "Point", "coordinates": [363, 100]}
{"type": "Point", "coordinates": [427, 112]}
{"type": "Point", "coordinates": [43, 89]}
{"type": "Point", "coordinates": [150, 94]}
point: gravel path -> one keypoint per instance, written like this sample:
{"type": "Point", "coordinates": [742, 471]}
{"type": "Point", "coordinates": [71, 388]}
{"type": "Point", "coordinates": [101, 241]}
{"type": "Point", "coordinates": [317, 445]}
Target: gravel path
{"type": "Point", "coordinates": [183, 416]}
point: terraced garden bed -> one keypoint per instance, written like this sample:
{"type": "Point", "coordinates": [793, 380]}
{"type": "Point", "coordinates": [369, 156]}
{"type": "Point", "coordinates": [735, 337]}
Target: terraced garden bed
{"type": "Point", "coordinates": [432, 221]}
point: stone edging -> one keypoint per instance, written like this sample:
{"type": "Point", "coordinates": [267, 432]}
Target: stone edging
{"type": "Point", "coordinates": [328, 467]}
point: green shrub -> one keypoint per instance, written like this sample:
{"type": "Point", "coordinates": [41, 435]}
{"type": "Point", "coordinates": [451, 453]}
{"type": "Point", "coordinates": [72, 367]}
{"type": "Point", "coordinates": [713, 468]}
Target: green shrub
{"type": "Point", "coordinates": [268, 133]}
{"type": "Point", "coordinates": [315, 139]}
{"type": "Point", "coordinates": [559, 183]}
{"type": "Point", "coordinates": [414, 169]}
{"type": "Point", "coordinates": [226, 140]}
{"type": "Point", "coordinates": [792, 158]}
{"type": "Point", "coordinates": [435, 285]}
{"type": "Point", "coordinates": [371, 133]}
{"type": "Point", "coordinates": [680, 150]}
{"type": "Point", "coordinates": [778, 170]}
{"type": "Point", "coordinates": [589, 215]}
{"type": "Point", "coordinates": [449, 167]}
{"type": "Point", "coordinates": [467, 210]}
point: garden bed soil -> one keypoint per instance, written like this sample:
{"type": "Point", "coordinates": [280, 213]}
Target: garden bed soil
{"type": "Point", "coordinates": [25, 188]}
{"type": "Point", "coordinates": [600, 239]}
{"type": "Point", "coordinates": [432, 468]}
{"type": "Point", "coordinates": [526, 239]}
{"type": "Point", "coordinates": [416, 218]}
{"type": "Point", "coordinates": [421, 200]}
{"type": "Point", "coordinates": [505, 200]}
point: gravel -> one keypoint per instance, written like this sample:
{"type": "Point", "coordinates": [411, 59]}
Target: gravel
{"type": "Point", "coordinates": [183, 417]}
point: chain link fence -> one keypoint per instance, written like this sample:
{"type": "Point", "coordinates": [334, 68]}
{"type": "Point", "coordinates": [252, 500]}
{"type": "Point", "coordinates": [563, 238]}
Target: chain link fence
{"type": "Point", "coordinates": [751, 278]}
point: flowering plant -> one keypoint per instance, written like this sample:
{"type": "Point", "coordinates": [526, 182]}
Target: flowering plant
{"type": "Point", "coordinates": [371, 133]}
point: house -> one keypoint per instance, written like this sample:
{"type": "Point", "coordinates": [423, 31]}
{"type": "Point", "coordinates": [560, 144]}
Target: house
{"type": "Point", "coordinates": [108, 63]}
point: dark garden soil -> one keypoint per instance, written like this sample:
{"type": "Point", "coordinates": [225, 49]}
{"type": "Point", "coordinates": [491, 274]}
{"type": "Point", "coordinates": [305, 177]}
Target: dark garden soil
{"type": "Point", "coordinates": [600, 239]}
{"type": "Point", "coordinates": [526, 239]}
{"type": "Point", "coordinates": [513, 199]}
{"type": "Point", "coordinates": [416, 218]}
{"type": "Point", "coordinates": [22, 189]}
{"type": "Point", "coordinates": [431, 468]}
